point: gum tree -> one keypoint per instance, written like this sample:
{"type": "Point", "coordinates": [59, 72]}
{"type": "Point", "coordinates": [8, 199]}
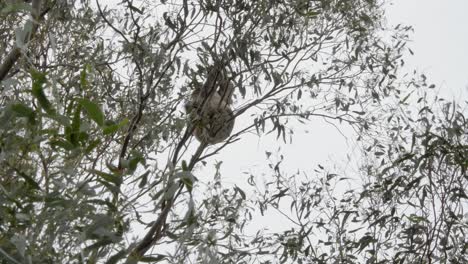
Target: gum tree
{"type": "Point", "coordinates": [95, 151]}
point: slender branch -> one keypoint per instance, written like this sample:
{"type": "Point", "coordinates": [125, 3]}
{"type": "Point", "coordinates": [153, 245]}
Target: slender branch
{"type": "Point", "coordinates": [196, 157]}
{"type": "Point", "coordinates": [235, 137]}
{"type": "Point", "coordinates": [133, 126]}
{"type": "Point", "coordinates": [155, 232]}
{"type": "Point", "coordinates": [8, 257]}
{"type": "Point", "coordinates": [9, 62]}
{"type": "Point", "coordinates": [110, 24]}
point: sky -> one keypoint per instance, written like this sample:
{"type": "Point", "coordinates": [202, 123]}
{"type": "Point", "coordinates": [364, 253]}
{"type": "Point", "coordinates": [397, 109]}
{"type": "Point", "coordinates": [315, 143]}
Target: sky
{"type": "Point", "coordinates": [440, 41]}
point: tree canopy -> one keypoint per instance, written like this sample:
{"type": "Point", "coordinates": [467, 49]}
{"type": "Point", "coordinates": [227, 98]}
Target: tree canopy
{"type": "Point", "coordinates": [98, 163]}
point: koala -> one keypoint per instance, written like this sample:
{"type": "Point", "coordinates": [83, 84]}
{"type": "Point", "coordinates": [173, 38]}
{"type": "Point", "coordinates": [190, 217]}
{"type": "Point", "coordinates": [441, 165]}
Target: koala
{"type": "Point", "coordinates": [209, 108]}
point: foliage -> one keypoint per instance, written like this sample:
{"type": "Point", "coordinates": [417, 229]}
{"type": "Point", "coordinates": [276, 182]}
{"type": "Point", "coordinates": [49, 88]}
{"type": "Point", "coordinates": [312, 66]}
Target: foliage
{"type": "Point", "coordinates": [410, 207]}
{"type": "Point", "coordinates": [97, 162]}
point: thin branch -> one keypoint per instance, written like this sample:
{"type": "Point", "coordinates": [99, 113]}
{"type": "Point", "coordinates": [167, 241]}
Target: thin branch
{"type": "Point", "coordinates": [8, 257]}
{"type": "Point", "coordinates": [154, 234]}
{"type": "Point", "coordinates": [110, 24]}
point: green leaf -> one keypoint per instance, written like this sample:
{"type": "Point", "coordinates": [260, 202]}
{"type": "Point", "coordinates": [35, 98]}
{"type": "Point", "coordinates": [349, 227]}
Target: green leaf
{"type": "Point", "coordinates": [52, 200]}
{"type": "Point", "coordinates": [62, 144]}
{"type": "Point", "coordinates": [118, 256]}
{"type": "Point", "coordinates": [312, 14]}
{"type": "Point", "coordinates": [75, 126]}
{"type": "Point", "coordinates": [99, 244]}
{"type": "Point", "coordinates": [83, 136]}
{"type": "Point", "coordinates": [135, 9]}
{"type": "Point", "coordinates": [16, 8]}
{"type": "Point", "coordinates": [20, 243]}
{"type": "Point", "coordinates": [111, 129]}
{"type": "Point", "coordinates": [24, 111]}
{"type": "Point", "coordinates": [93, 110]}
{"type": "Point", "coordinates": [83, 80]}
{"type": "Point", "coordinates": [92, 145]}
{"type": "Point", "coordinates": [38, 81]}
{"type": "Point", "coordinates": [187, 178]}
{"type": "Point", "coordinates": [184, 165]}
{"type": "Point", "coordinates": [241, 192]}
{"type": "Point", "coordinates": [61, 119]}
{"type": "Point", "coordinates": [416, 219]}
{"type": "Point", "coordinates": [153, 258]}
{"type": "Point", "coordinates": [116, 179]}
{"type": "Point", "coordinates": [144, 179]}
{"type": "Point", "coordinates": [133, 162]}
{"type": "Point", "coordinates": [29, 180]}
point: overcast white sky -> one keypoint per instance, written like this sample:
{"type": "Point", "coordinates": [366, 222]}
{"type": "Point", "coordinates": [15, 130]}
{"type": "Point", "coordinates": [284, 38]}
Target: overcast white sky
{"type": "Point", "coordinates": [440, 41]}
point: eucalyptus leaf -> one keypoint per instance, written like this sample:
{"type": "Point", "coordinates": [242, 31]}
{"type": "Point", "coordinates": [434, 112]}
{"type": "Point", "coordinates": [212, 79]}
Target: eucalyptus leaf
{"type": "Point", "coordinates": [93, 110]}
{"type": "Point", "coordinates": [38, 81]}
